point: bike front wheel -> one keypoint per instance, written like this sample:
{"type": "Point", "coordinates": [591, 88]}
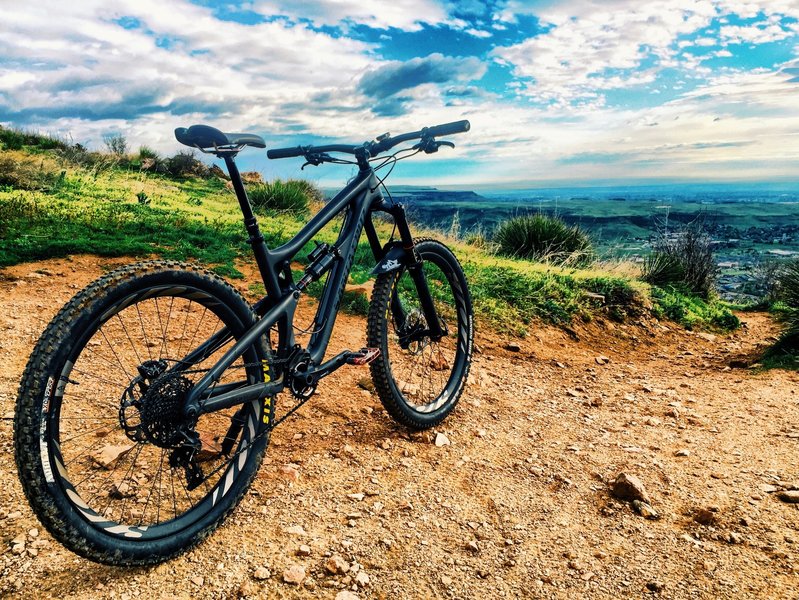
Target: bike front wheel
{"type": "Point", "coordinates": [419, 380]}
{"type": "Point", "coordinates": [101, 443]}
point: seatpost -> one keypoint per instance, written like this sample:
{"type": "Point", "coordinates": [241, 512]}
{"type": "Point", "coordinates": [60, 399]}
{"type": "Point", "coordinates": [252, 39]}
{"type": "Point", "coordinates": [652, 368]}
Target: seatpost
{"type": "Point", "coordinates": [256, 239]}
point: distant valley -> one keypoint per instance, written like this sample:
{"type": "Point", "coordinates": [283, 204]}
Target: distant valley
{"type": "Point", "coordinates": [749, 223]}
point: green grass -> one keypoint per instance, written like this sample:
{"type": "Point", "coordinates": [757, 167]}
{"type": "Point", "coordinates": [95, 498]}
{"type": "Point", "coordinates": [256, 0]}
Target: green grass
{"type": "Point", "coordinates": [511, 299]}
{"type": "Point", "coordinates": [32, 228]}
{"type": "Point", "coordinates": [14, 139]}
{"type": "Point", "coordinates": [692, 312]}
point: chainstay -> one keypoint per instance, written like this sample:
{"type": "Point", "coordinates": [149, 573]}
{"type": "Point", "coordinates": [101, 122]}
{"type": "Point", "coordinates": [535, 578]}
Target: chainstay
{"type": "Point", "coordinates": [269, 428]}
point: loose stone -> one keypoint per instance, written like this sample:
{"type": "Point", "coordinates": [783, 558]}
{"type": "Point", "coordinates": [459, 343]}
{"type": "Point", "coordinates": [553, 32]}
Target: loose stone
{"type": "Point", "coordinates": [294, 574]}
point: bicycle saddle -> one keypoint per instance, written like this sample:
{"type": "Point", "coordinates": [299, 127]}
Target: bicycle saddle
{"type": "Point", "coordinates": [205, 136]}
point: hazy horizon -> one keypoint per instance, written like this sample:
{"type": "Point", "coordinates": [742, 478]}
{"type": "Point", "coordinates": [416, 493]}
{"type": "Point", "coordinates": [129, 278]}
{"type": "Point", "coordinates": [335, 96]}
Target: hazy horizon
{"type": "Point", "coordinates": [789, 186]}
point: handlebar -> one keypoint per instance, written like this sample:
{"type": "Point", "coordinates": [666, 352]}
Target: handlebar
{"type": "Point", "coordinates": [448, 128]}
{"type": "Point", "coordinates": [372, 149]}
{"type": "Point", "coordinates": [284, 152]}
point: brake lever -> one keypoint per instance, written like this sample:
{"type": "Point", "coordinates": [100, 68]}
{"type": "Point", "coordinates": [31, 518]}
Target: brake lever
{"type": "Point", "coordinates": [430, 145]}
{"type": "Point", "coordinates": [315, 159]}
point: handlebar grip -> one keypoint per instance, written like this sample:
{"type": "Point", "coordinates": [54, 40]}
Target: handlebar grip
{"type": "Point", "coordinates": [448, 128]}
{"type": "Point", "coordinates": [285, 152]}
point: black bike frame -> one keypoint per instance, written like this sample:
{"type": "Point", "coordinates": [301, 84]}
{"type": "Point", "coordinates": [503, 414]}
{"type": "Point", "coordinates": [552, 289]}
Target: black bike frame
{"type": "Point", "coordinates": [358, 200]}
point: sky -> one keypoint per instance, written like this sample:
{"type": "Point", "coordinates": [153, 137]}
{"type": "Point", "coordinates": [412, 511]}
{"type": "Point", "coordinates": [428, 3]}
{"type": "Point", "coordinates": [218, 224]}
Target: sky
{"type": "Point", "coordinates": [573, 92]}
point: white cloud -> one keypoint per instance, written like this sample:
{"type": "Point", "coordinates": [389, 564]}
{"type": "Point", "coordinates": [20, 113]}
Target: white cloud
{"type": "Point", "coordinates": [591, 45]}
{"type": "Point", "coordinates": [75, 67]}
{"type": "Point", "coordinates": [757, 33]}
{"type": "Point", "coordinates": [751, 9]}
{"type": "Point", "coordinates": [70, 69]}
{"type": "Point", "coordinates": [402, 14]}
{"type": "Point", "coordinates": [478, 33]}
{"type": "Point", "coordinates": [735, 126]}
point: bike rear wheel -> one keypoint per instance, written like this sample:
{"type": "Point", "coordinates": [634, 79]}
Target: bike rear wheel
{"type": "Point", "coordinates": [100, 438]}
{"type": "Point", "coordinates": [420, 380]}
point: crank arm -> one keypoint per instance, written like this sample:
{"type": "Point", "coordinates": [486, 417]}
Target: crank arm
{"type": "Point", "coordinates": [347, 357]}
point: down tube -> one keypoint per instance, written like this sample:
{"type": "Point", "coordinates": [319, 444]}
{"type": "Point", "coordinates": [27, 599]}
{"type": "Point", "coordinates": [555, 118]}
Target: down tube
{"type": "Point", "coordinates": [334, 289]}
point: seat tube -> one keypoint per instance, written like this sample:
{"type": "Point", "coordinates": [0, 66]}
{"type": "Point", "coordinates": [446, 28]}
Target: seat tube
{"type": "Point", "coordinates": [256, 239]}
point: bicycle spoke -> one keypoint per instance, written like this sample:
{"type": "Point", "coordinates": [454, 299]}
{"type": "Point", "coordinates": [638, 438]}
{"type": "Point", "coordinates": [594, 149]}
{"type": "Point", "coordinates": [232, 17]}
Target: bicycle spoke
{"type": "Point", "coordinates": [144, 333]}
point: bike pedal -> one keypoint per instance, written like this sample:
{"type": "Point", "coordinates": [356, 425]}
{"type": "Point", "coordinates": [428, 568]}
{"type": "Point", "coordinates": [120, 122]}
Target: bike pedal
{"type": "Point", "coordinates": [363, 357]}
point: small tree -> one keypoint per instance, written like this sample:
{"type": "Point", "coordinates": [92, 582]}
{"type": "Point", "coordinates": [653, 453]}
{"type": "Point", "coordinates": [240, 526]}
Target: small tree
{"type": "Point", "coordinates": [116, 144]}
{"type": "Point", "coordinates": [683, 259]}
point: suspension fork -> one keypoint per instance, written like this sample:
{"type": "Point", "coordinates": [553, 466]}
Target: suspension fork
{"type": "Point", "coordinates": [416, 271]}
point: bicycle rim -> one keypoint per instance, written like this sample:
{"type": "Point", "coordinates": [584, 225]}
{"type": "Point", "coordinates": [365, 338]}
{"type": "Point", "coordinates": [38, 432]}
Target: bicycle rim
{"type": "Point", "coordinates": [132, 487]}
{"type": "Point", "coordinates": [427, 373]}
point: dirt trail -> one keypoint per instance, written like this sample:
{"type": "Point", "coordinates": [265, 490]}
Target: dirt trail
{"type": "Point", "coordinates": [516, 506]}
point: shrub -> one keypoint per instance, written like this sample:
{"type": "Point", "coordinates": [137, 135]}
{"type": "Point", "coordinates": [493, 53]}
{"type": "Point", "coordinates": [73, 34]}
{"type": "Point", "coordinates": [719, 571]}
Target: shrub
{"type": "Point", "coordinates": [150, 160]}
{"type": "Point", "coordinates": [26, 172]}
{"type": "Point", "coordinates": [788, 286]}
{"type": "Point", "coordinates": [763, 282]}
{"type": "Point", "coordinates": [186, 164]}
{"type": "Point", "coordinates": [663, 268]}
{"type": "Point", "coordinates": [147, 152]}
{"type": "Point", "coordinates": [684, 260]}
{"type": "Point", "coordinates": [311, 190]}
{"type": "Point", "coordinates": [293, 196]}
{"type": "Point", "coordinates": [355, 303]}
{"type": "Point", "coordinates": [541, 237]}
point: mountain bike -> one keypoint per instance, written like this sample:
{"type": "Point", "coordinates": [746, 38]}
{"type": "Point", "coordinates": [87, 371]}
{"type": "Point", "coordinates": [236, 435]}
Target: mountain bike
{"type": "Point", "coordinates": [146, 406]}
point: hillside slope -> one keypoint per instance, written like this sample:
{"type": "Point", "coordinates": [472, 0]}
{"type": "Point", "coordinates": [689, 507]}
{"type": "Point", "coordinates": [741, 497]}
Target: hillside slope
{"type": "Point", "coordinates": [516, 506]}
{"type": "Point", "coordinates": [58, 199]}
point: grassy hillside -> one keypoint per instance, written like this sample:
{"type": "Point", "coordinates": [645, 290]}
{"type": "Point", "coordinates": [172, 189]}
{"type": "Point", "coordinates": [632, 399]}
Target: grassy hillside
{"type": "Point", "coordinates": [57, 199]}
